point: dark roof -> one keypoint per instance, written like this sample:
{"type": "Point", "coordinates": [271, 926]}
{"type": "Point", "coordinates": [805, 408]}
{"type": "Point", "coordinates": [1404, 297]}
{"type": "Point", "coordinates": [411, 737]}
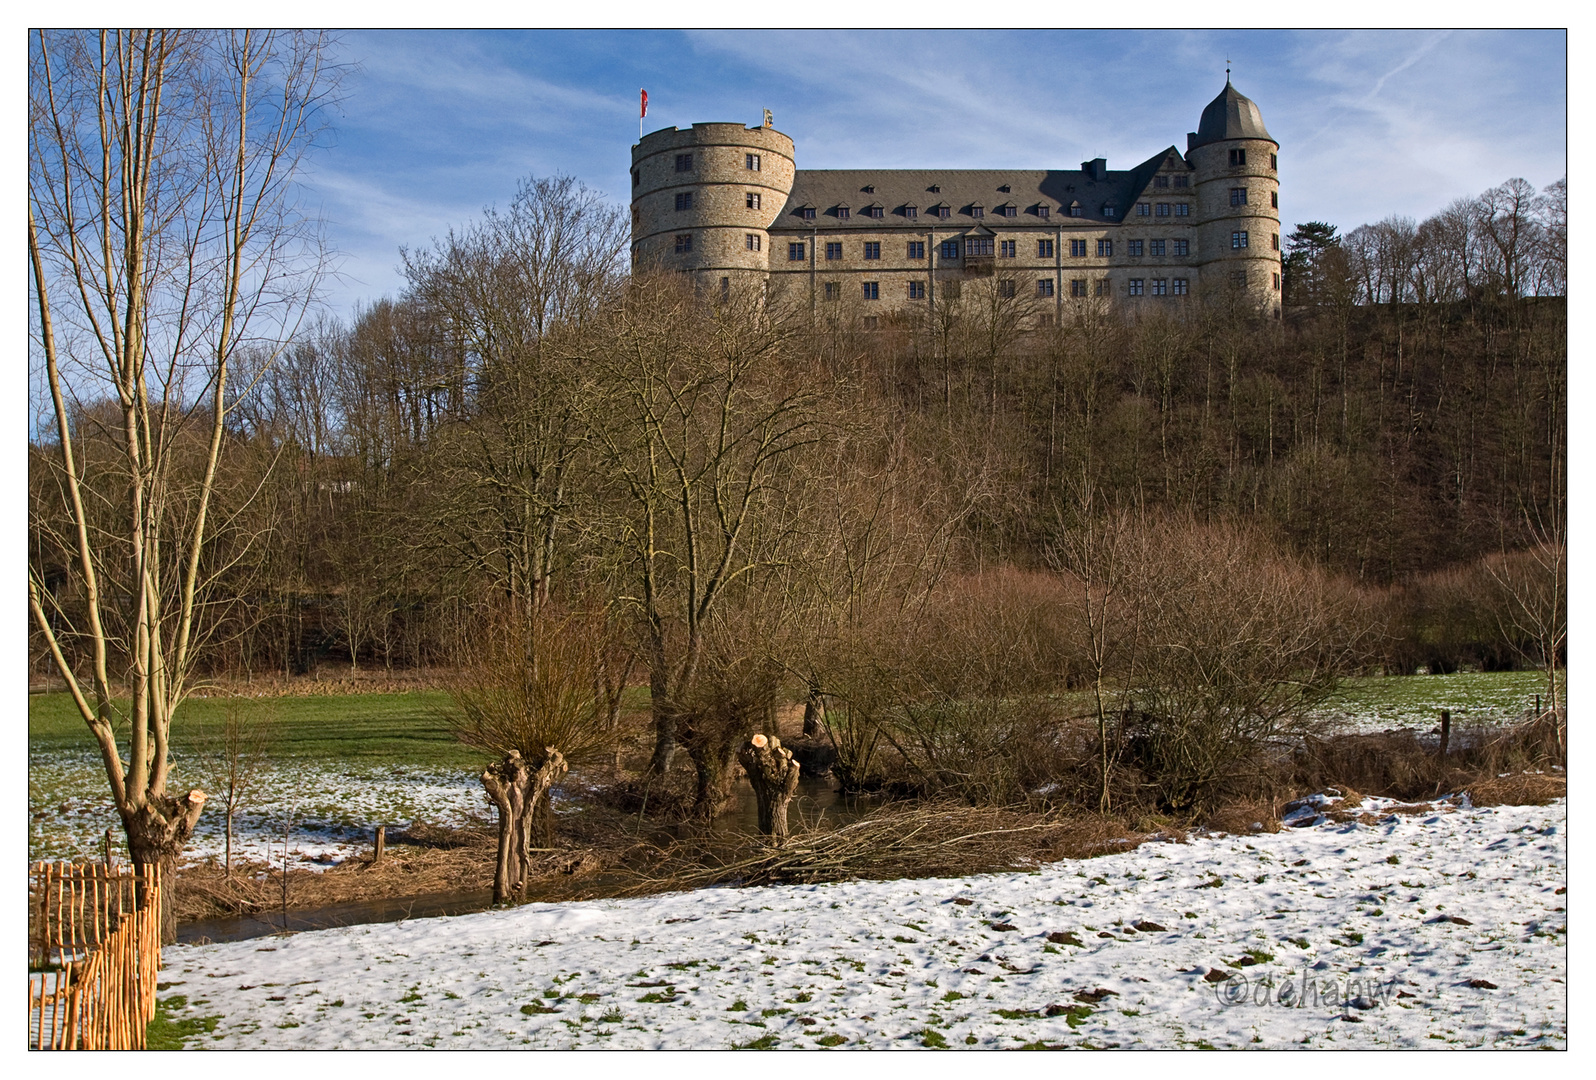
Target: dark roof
{"type": "Point", "coordinates": [960, 189]}
{"type": "Point", "coordinates": [1231, 115]}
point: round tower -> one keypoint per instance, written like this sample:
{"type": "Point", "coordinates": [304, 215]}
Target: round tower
{"type": "Point", "coordinates": [704, 198]}
{"type": "Point", "coordinates": [1236, 167]}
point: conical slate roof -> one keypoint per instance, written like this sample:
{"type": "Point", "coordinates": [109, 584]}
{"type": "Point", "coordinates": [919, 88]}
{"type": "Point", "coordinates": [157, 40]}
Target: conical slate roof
{"type": "Point", "coordinates": [1231, 115]}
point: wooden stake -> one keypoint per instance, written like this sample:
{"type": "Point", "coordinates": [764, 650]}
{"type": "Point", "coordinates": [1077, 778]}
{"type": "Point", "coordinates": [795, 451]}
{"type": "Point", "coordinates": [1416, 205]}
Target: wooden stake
{"type": "Point", "coordinates": [382, 840]}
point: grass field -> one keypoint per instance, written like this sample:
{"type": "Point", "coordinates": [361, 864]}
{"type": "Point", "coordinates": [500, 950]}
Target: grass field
{"type": "Point", "coordinates": [343, 764]}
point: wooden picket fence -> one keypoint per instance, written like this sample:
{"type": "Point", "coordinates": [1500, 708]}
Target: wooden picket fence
{"type": "Point", "coordinates": [94, 951]}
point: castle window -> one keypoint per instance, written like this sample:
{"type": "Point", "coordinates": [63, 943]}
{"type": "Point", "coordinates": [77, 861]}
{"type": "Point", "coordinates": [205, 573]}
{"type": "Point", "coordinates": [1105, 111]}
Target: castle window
{"type": "Point", "coordinates": [1163, 210]}
{"type": "Point", "coordinates": [684, 243]}
{"type": "Point", "coordinates": [1110, 210]}
{"type": "Point", "coordinates": [751, 162]}
{"type": "Point", "coordinates": [1274, 162]}
{"type": "Point", "coordinates": [869, 189]}
{"type": "Point", "coordinates": [1133, 247]}
{"type": "Point", "coordinates": [874, 211]}
{"type": "Point", "coordinates": [1003, 187]}
{"type": "Point", "coordinates": [1181, 286]}
{"type": "Point", "coordinates": [1277, 283]}
{"type": "Point", "coordinates": [1136, 286]}
{"type": "Point", "coordinates": [872, 322]}
{"type": "Point", "coordinates": [1044, 320]}
{"type": "Point", "coordinates": [1238, 196]}
{"type": "Point", "coordinates": [833, 251]}
{"type": "Point", "coordinates": [950, 249]}
{"type": "Point", "coordinates": [1182, 247]}
{"type": "Point", "coordinates": [1078, 249]}
{"type": "Point", "coordinates": [843, 213]}
{"type": "Point", "coordinates": [1144, 209]}
{"type": "Point", "coordinates": [684, 200]}
{"type": "Point", "coordinates": [1044, 212]}
{"type": "Point", "coordinates": [1183, 209]}
{"type": "Point", "coordinates": [1238, 240]}
{"type": "Point", "coordinates": [1155, 247]}
{"type": "Point", "coordinates": [1008, 210]}
{"type": "Point", "coordinates": [1238, 278]}
{"type": "Point", "coordinates": [725, 287]}
{"type": "Point", "coordinates": [637, 177]}
{"type": "Point", "coordinates": [1183, 181]}
{"type": "Point", "coordinates": [1105, 248]}
{"type": "Point", "coordinates": [977, 246]}
{"type": "Point", "coordinates": [1275, 241]}
{"type": "Point", "coordinates": [684, 162]}
{"type": "Point", "coordinates": [1006, 248]}
{"type": "Point", "coordinates": [978, 211]}
{"type": "Point", "coordinates": [1160, 181]}
{"type": "Point", "coordinates": [1006, 289]}
{"type": "Point", "coordinates": [1078, 288]}
{"type": "Point", "coordinates": [1044, 287]}
{"type": "Point", "coordinates": [1160, 286]}
{"type": "Point", "coordinates": [807, 213]}
{"type": "Point", "coordinates": [753, 200]}
{"type": "Point", "coordinates": [911, 212]}
{"type": "Point", "coordinates": [1044, 249]}
{"type": "Point", "coordinates": [916, 290]}
{"type": "Point", "coordinates": [795, 252]}
{"type": "Point", "coordinates": [872, 290]}
{"type": "Point", "coordinates": [1075, 209]}
{"type": "Point", "coordinates": [872, 249]}
{"type": "Point", "coordinates": [1238, 158]}
{"type": "Point", "coordinates": [935, 189]}
{"type": "Point", "coordinates": [751, 241]}
{"type": "Point", "coordinates": [1105, 287]}
{"type": "Point", "coordinates": [942, 210]}
{"type": "Point", "coordinates": [1274, 200]}
{"type": "Point", "coordinates": [833, 290]}
{"type": "Point", "coordinates": [916, 249]}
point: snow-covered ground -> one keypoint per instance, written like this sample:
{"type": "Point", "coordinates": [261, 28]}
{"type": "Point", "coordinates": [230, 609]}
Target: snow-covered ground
{"type": "Point", "coordinates": [1432, 929]}
{"type": "Point", "coordinates": [329, 810]}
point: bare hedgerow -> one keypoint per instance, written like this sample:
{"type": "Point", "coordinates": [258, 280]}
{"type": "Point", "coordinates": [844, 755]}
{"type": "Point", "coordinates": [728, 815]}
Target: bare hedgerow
{"type": "Point", "coordinates": [1238, 643]}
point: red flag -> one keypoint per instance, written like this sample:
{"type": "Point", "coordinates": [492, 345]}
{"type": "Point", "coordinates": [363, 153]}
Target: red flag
{"type": "Point", "coordinates": [645, 104]}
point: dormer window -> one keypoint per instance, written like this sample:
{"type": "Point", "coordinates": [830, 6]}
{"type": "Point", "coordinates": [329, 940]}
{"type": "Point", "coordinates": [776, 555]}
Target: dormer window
{"type": "Point", "coordinates": [1008, 210]}
{"type": "Point", "coordinates": [807, 213]}
{"type": "Point", "coordinates": [942, 210]}
{"type": "Point", "coordinates": [1044, 212]}
{"type": "Point", "coordinates": [978, 211]}
{"type": "Point", "coordinates": [1003, 188]}
{"type": "Point", "coordinates": [1075, 210]}
{"type": "Point", "coordinates": [1110, 210]}
{"type": "Point", "coordinates": [911, 212]}
{"type": "Point", "coordinates": [935, 189]}
{"type": "Point", "coordinates": [873, 211]}
{"type": "Point", "coordinates": [843, 213]}
{"type": "Point", "coordinates": [869, 189]}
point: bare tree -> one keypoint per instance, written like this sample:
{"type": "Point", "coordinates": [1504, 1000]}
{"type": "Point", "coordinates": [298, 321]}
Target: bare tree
{"type": "Point", "coordinates": [163, 237]}
{"type": "Point", "coordinates": [235, 755]}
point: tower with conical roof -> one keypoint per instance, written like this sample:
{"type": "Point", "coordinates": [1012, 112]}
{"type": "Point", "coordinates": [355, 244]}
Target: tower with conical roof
{"type": "Point", "coordinates": [1236, 172]}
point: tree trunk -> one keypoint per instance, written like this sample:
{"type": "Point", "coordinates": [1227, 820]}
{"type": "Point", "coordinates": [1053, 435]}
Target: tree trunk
{"type": "Point", "coordinates": [520, 792]}
{"type": "Point", "coordinates": [715, 780]}
{"type": "Point", "coordinates": [814, 712]}
{"type": "Point", "coordinates": [157, 832]}
{"type": "Point", "coordinates": [664, 720]}
{"type": "Point", "coordinates": [774, 775]}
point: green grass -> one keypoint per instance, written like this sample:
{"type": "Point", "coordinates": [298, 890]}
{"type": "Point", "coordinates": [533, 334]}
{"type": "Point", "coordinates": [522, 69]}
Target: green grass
{"type": "Point", "coordinates": [373, 729]}
{"type": "Point", "coordinates": [1473, 697]}
{"type": "Point", "coordinates": [167, 1031]}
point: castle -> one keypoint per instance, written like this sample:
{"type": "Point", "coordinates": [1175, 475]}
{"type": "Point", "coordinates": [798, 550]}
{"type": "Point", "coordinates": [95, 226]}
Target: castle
{"type": "Point", "coordinates": [721, 199]}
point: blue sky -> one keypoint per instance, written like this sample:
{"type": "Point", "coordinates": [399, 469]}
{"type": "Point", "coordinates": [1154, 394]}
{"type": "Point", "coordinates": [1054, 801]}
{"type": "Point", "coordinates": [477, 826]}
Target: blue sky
{"type": "Point", "coordinates": [435, 125]}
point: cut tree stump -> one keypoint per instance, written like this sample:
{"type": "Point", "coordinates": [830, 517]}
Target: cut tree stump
{"type": "Point", "coordinates": [774, 775]}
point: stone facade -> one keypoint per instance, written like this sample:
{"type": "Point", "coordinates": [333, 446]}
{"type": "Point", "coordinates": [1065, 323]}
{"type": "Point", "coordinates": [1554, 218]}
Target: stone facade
{"type": "Point", "coordinates": [724, 199]}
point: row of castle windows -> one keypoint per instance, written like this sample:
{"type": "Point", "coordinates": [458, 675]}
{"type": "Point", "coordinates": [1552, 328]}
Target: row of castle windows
{"type": "Point", "coordinates": [684, 163]}
{"type": "Point", "coordinates": [1009, 288]}
{"type": "Point", "coordinates": [752, 200]}
{"type": "Point", "coordinates": [1238, 158]}
{"type": "Point", "coordinates": [982, 246]}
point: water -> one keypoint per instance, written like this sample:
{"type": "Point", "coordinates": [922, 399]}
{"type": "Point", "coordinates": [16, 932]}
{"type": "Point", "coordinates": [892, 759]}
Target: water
{"type": "Point", "coordinates": [815, 804]}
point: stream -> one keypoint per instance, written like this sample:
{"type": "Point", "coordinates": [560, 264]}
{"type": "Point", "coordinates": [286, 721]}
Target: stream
{"type": "Point", "coordinates": [816, 803]}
